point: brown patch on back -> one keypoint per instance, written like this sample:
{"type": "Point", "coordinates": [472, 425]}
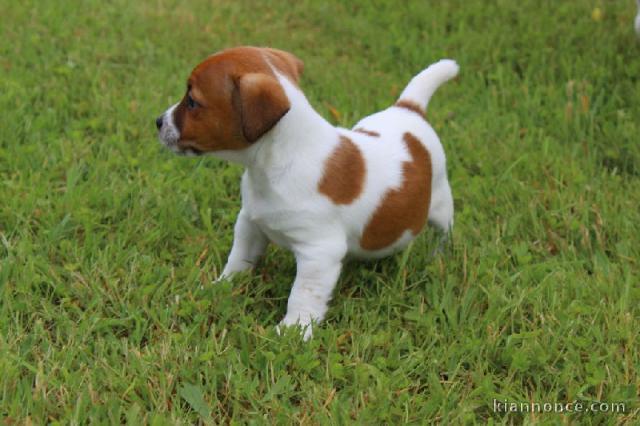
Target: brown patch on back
{"type": "Point", "coordinates": [344, 173]}
{"type": "Point", "coordinates": [411, 106]}
{"type": "Point", "coordinates": [405, 208]}
{"type": "Point", "coordinates": [367, 132]}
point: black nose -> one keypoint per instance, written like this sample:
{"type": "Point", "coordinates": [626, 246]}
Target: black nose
{"type": "Point", "coordinates": [159, 122]}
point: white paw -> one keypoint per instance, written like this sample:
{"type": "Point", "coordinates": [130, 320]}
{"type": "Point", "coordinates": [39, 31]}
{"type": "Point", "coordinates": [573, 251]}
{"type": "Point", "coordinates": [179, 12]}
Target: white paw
{"type": "Point", "coordinates": [306, 327]}
{"type": "Point", "coordinates": [221, 277]}
{"type": "Point", "coordinates": [226, 274]}
{"type": "Point", "coordinates": [232, 268]}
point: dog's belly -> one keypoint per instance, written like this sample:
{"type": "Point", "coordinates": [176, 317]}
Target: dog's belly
{"type": "Point", "coordinates": [356, 250]}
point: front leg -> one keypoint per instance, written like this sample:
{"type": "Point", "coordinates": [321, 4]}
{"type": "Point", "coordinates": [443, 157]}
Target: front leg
{"type": "Point", "coordinates": [249, 243]}
{"type": "Point", "coordinates": [318, 269]}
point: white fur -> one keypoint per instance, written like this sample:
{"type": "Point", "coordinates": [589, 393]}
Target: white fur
{"type": "Point", "coordinates": [423, 86]}
{"type": "Point", "coordinates": [169, 133]}
{"type": "Point", "coordinates": [637, 22]}
{"type": "Point", "coordinates": [281, 202]}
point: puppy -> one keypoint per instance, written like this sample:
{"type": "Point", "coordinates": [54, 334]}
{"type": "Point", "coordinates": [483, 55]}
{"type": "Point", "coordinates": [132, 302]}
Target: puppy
{"type": "Point", "coordinates": [320, 191]}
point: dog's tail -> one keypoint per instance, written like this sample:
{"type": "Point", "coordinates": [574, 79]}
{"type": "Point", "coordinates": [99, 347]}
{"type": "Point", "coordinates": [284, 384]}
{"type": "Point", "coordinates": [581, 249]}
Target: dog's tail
{"type": "Point", "coordinates": [422, 86]}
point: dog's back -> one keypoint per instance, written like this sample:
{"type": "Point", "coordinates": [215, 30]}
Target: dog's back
{"type": "Point", "coordinates": [408, 183]}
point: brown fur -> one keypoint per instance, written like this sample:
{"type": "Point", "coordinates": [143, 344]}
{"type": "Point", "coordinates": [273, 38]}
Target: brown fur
{"type": "Point", "coordinates": [367, 132]}
{"type": "Point", "coordinates": [411, 106]}
{"type": "Point", "coordinates": [344, 173]}
{"type": "Point", "coordinates": [262, 103]}
{"type": "Point", "coordinates": [405, 208]}
{"type": "Point", "coordinates": [239, 98]}
{"type": "Point", "coordinates": [286, 63]}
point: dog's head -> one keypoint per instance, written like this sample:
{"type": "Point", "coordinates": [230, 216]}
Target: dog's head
{"type": "Point", "coordinates": [233, 98]}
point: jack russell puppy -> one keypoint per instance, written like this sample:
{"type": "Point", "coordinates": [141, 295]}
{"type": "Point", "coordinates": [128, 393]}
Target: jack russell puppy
{"type": "Point", "coordinates": [320, 191]}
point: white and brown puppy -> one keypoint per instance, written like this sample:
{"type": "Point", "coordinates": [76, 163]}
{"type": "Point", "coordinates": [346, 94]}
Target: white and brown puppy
{"type": "Point", "coordinates": [322, 192]}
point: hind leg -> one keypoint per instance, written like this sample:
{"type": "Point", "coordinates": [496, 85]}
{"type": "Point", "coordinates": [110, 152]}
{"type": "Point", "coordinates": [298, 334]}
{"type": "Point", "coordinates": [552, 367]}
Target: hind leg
{"type": "Point", "coordinates": [441, 213]}
{"type": "Point", "coordinates": [441, 208]}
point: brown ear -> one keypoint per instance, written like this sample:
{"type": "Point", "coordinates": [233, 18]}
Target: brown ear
{"type": "Point", "coordinates": [286, 62]}
{"type": "Point", "coordinates": [261, 102]}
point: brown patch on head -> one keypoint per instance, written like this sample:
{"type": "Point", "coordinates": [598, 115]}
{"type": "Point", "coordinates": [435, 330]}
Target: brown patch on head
{"type": "Point", "coordinates": [405, 208]}
{"type": "Point", "coordinates": [411, 106]}
{"type": "Point", "coordinates": [261, 102]}
{"type": "Point", "coordinates": [286, 63]}
{"type": "Point", "coordinates": [367, 132]}
{"type": "Point", "coordinates": [233, 98]}
{"type": "Point", "coordinates": [344, 173]}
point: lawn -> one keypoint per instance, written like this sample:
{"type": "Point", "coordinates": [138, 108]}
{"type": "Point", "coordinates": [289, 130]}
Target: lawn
{"type": "Point", "coordinates": [109, 243]}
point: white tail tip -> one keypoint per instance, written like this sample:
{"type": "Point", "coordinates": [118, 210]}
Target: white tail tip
{"type": "Point", "coordinates": [444, 69]}
{"type": "Point", "coordinates": [422, 86]}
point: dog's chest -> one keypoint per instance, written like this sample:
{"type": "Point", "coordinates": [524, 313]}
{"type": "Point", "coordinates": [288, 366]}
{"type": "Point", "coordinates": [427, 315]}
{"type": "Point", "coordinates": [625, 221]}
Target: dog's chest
{"type": "Point", "coordinates": [273, 219]}
{"type": "Point", "coordinates": [276, 209]}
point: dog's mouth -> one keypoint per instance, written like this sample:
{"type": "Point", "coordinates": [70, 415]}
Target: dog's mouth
{"type": "Point", "coordinates": [189, 151]}
{"type": "Point", "coordinates": [170, 139]}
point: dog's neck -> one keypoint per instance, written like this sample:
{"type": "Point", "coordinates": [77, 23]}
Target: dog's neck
{"type": "Point", "coordinates": [298, 136]}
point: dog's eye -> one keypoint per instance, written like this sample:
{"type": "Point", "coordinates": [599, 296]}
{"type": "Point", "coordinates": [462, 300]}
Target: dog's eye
{"type": "Point", "coordinates": [191, 104]}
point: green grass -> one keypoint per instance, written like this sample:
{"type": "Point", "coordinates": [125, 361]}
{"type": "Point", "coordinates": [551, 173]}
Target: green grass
{"type": "Point", "coordinates": [109, 243]}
